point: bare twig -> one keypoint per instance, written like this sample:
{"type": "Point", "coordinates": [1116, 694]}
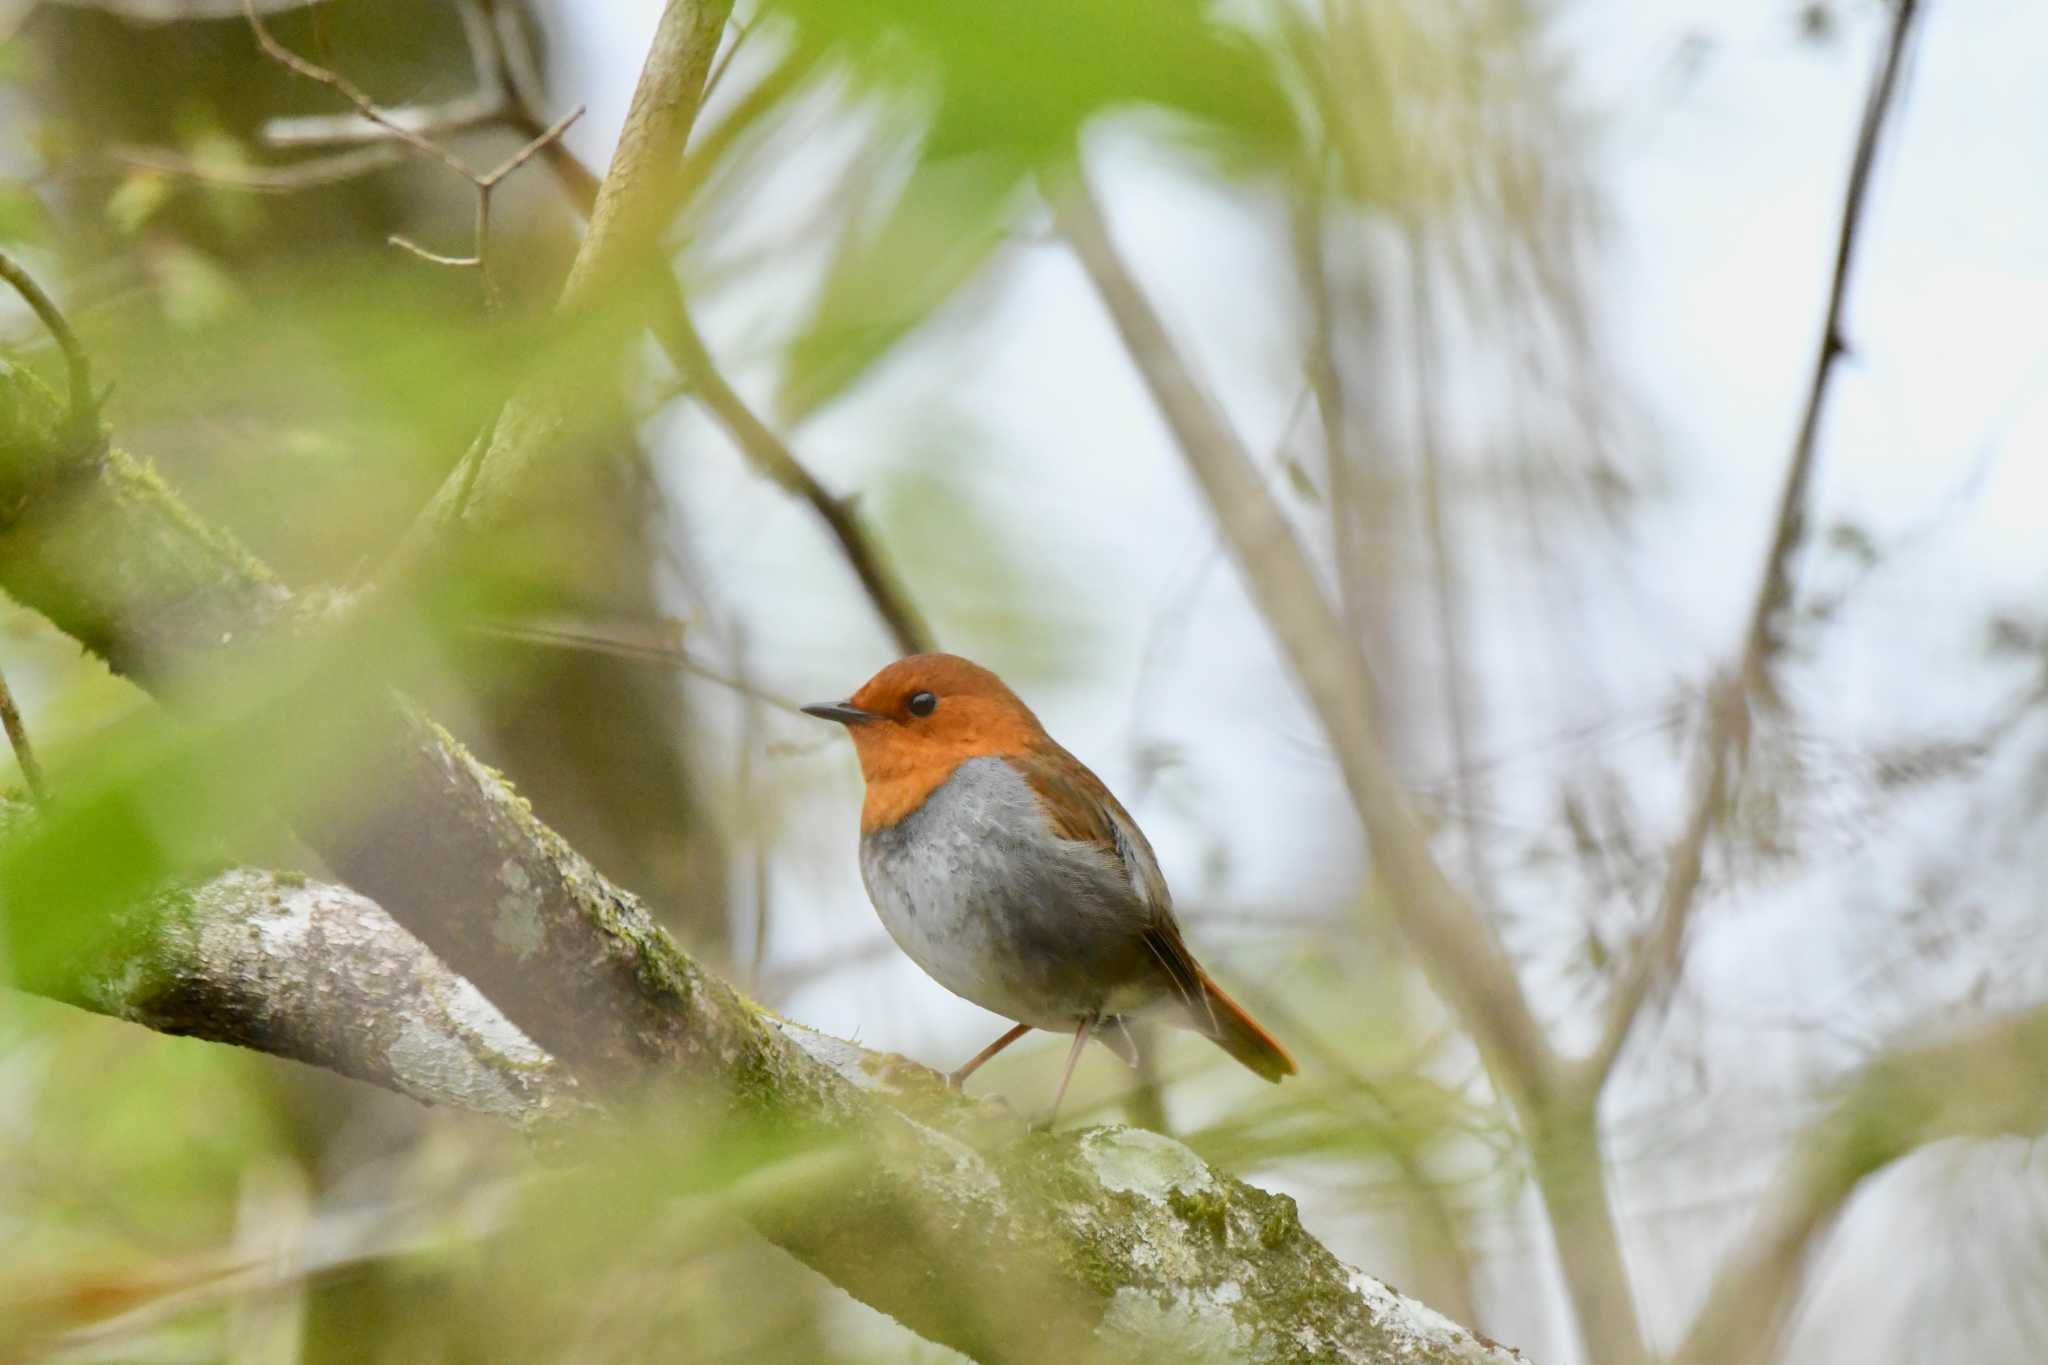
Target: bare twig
{"type": "Point", "coordinates": [673, 327]}
{"type": "Point", "coordinates": [732, 50]}
{"type": "Point", "coordinates": [411, 127]}
{"type": "Point", "coordinates": [488, 182]}
{"type": "Point", "coordinates": [545, 138]}
{"type": "Point", "coordinates": [408, 245]}
{"type": "Point", "coordinates": [24, 752]}
{"type": "Point", "coordinates": [1729, 701]}
{"type": "Point", "coordinates": [311, 173]}
{"type": "Point", "coordinates": [666, 653]}
{"type": "Point", "coordinates": [427, 121]}
{"type": "Point", "coordinates": [774, 460]}
{"type": "Point", "coordinates": [353, 93]}
{"type": "Point", "coordinates": [82, 419]}
{"type": "Point", "coordinates": [1775, 594]}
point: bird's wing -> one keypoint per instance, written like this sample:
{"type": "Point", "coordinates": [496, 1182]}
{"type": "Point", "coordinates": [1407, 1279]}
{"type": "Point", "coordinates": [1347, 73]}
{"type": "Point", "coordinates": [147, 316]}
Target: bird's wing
{"type": "Point", "coordinates": [1081, 808]}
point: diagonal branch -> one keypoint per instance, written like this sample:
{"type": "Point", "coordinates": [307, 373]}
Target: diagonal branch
{"type": "Point", "coordinates": [1729, 700]}
{"type": "Point", "coordinates": [24, 752]}
{"type": "Point", "coordinates": [509, 97]}
{"type": "Point", "coordinates": [1985, 1084]}
{"type": "Point", "coordinates": [674, 328]}
{"type": "Point", "coordinates": [1006, 1247]}
{"type": "Point", "coordinates": [774, 461]}
{"type": "Point", "coordinates": [403, 129]}
{"type": "Point", "coordinates": [1455, 947]}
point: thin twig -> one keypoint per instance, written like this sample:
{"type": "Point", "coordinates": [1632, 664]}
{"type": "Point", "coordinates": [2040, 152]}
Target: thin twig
{"type": "Point", "coordinates": [311, 173]}
{"type": "Point", "coordinates": [1729, 701]}
{"type": "Point", "coordinates": [460, 115]}
{"type": "Point", "coordinates": [492, 105]}
{"type": "Point", "coordinates": [488, 182]}
{"type": "Point", "coordinates": [673, 327]}
{"type": "Point", "coordinates": [353, 93]}
{"type": "Point", "coordinates": [732, 50]}
{"type": "Point", "coordinates": [539, 142]}
{"type": "Point", "coordinates": [24, 752]}
{"type": "Point", "coordinates": [670, 655]}
{"type": "Point", "coordinates": [83, 418]}
{"type": "Point", "coordinates": [1775, 595]}
{"type": "Point", "coordinates": [407, 244]}
{"type": "Point", "coordinates": [774, 460]}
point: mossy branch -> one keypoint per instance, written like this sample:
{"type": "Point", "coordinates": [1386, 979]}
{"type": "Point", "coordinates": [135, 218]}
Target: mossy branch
{"type": "Point", "coordinates": [1102, 1244]}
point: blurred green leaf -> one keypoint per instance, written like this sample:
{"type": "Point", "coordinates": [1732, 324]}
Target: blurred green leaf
{"type": "Point", "coordinates": [1025, 76]}
{"type": "Point", "coordinates": [220, 156]}
{"type": "Point", "coordinates": [154, 802]}
{"type": "Point", "coordinates": [949, 219]}
{"type": "Point", "coordinates": [23, 217]}
{"type": "Point", "coordinates": [194, 289]}
{"type": "Point", "coordinates": [137, 198]}
{"type": "Point", "coordinates": [1006, 90]}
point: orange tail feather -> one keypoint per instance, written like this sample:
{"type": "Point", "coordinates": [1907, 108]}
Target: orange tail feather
{"type": "Point", "coordinates": [1226, 1024]}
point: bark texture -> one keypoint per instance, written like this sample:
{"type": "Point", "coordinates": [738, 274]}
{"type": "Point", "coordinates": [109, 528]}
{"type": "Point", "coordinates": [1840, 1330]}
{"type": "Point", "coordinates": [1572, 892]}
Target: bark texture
{"type": "Point", "coordinates": [1107, 1244]}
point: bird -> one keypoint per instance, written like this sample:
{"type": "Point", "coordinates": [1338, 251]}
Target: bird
{"type": "Point", "coordinates": [1008, 871]}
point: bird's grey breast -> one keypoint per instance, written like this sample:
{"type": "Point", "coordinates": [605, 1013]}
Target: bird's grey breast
{"type": "Point", "coordinates": [981, 892]}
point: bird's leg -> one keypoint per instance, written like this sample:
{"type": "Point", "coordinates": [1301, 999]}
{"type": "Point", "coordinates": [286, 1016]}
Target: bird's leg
{"type": "Point", "coordinates": [957, 1079]}
{"type": "Point", "coordinates": [1073, 1056]}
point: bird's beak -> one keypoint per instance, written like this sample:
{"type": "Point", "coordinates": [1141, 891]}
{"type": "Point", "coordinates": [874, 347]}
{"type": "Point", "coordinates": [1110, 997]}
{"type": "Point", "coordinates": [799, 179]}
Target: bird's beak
{"type": "Point", "coordinates": [840, 711]}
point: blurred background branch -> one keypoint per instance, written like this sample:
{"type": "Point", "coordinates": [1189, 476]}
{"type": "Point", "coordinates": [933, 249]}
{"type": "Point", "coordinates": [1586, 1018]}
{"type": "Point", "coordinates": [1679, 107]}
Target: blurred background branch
{"type": "Point", "coordinates": [1457, 949]}
{"type": "Point", "coordinates": [1987, 1083]}
{"type": "Point", "coordinates": [1726, 733]}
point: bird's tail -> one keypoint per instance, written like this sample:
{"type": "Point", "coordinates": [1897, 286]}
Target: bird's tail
{"type": "Point", "coordinates": [1225, 1023]}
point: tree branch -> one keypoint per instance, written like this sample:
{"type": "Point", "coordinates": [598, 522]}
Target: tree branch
{"type": "Point", "coordinates": [1986, 1084]}
{"type": "Point", "coordinates": [621, 250]}
{"type": "Point", "coordinates": [677, 333]}
{"type": "Point", "coordinates": [1455, 947]}
{"type": "Point", "coordinates": [24, 752]}
{"type": "Point", "coordinates": [1728, 707]}
{"type": "Point", "coordinates": [775, 461]}
{"type": "Point", "coordinates": [1006, 1246]}
{"type": "Point", "coordinates": [318, 974]}
{"type": "Point", "coordinates": [84, 416]}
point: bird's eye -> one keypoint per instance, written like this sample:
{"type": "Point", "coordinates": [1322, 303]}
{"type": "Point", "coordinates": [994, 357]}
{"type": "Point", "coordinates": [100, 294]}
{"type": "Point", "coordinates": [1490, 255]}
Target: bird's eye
{"type": "Point", "coordinates": [921, 703]}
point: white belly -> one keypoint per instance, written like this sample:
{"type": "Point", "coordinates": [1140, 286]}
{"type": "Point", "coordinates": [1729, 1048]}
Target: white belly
{"type": "Point", "coordinates": [980, 895]}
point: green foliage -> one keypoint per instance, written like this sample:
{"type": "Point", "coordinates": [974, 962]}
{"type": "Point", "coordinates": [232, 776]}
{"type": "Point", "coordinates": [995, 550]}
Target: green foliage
{"type": "Point", "coordinates": [23, 218]}
{"type": "Point", "coordinates": [1003, 93]}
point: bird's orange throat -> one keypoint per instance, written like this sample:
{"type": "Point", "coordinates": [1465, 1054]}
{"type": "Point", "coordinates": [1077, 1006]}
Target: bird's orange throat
{"type": "Point", "coordinates": [903, 766]}
{"type": "Point", "coordinates": [897, 789]}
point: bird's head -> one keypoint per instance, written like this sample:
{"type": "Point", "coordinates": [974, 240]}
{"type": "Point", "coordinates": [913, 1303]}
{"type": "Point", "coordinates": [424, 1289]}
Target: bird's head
{"type": "Point", "coordinates": [918, 719]}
